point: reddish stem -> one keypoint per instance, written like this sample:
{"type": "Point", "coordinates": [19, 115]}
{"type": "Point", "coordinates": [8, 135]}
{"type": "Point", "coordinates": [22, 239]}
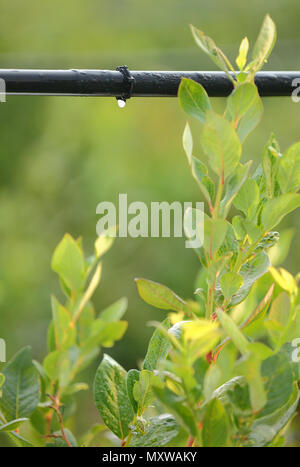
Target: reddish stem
{"type": "Point", "coordinates": [190, 442]}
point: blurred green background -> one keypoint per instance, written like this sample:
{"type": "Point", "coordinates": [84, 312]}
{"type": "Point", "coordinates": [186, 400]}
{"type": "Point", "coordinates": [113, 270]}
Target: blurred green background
{"type": "Point", "coordinates": [61, 156]}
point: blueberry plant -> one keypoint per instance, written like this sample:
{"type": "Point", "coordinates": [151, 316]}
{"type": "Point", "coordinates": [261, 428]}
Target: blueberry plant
{"type": "Point", "coordinates": [221, 369]}
{"type": "Point", "coordinates": [39, 398]}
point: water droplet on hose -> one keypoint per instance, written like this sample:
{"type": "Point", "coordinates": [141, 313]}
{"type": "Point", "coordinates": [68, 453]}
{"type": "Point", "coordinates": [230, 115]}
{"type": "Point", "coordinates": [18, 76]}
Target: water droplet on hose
{"type": "Point", "coordinates": [121, 103]}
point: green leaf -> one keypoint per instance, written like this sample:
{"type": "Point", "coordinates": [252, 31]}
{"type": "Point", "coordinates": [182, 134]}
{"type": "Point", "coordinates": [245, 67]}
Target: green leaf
{"type": "Point", "coordinates": [176, 405]}
{"type": "Point", "coordinates": [289, 169]}
{"type": "Point", "coordinates": [200, 367]}
{"type": "Point", "coordinates": [266, 428]}
{"type": "Point", "coordinates": [230, 283]}
{"type": "Point", "coordinates": [235, 396]}
{"type": "Point", "coordinates": [275, 209]}
{"type": "Point", "coordinates": [13, 425]}
{"type": "Point", "coordinates": [205, 183]}
{"type": "Point", "coordinates": [285, 280]}
{"type": "Point", "coordinates": [44, 380]}
{"type": "Point", "coordinates": [278, 373]}
{"type": "Point", "coordinates": [193, 229]}
{"type": "Point", "coordinates": [261, 350]}
{"type": "Point", "coordinates": [37, 420]}
{"type": "Point", "coordinates": [209, 47]}
{"type": "Point", "coordinates": [233, 332]}
{"type": "Point", "coordinates": [198, 168]}
{"type": "Point", "coordinates": [270, 162]}
{"type": "Point", "coordinates": [115, 311]}
{"type": "Point", "coordinates": [266, 242]}
{"type": "Point", "coordinates": [87, 295]}
{"type": "Point", "coordinates": [251, 271]}
{"type": "Point", "coordinates": [159, 295]}
{"type": "Point", "coordinates": [243, 52]}
{"type": "Point", "coordinates": [20, 440]}
{"type": "Point", "coordinates": [264, 44]}
{"type": "Point", "coordinates": [202, 335]}
{"type": "Point", "coordinates": [250, 367]}
{"type": "Point", "coordinates": [64, 330]}
{"type": "Point", "coordinates": [104, 243]}
{"type": "Point", "coordinates": [85, 320]}
{"type": "Point", "coordinates": [254, 234]}
{"type": "Point", "coordinates": [278, 318]}
{"type": "Point", "coordinates": [238, 227]}
{"type": "Point", "coordinates": [21, 389]}
{"type": "Point", "coordinates": [221, 145]}
{"type": "Point", "coordinates": [228, 251]}
{"type": "Point", "coordinates": [211, 380]}
{"type": "Point", "coordinates": [62, 365]}
{"type": "Point", "coordinates": [142, 391]}
{"type": "Point", "coordinates": [278, 252]}
{"type": "Point", "coordinates": [68, 262]}
{"type": "Point", "coordinates": [244, 109]}
{"type": "Point", "coordinates": [250, 120]}
{"type": "Point", "coordinates": [59, 442]}
{"type": "Point", "coordinates": [158, 348]}
{"type": "Point", "coordinates": [91, 434]}
{"type": "Point", "coordinates": [159, 432]}
{"type": "Point", "coordinates": [193, 99]}
{"type": "Point", "coordinates": [104, 334]}
{"type": "Point", "coordinates": [215, 425]}
{"type": "Point", "coordinates": [53, 363]}
{"type": "Point", "coordinates": [247, 198]}
{"type": "Point", "coordinates": [75, 388]}
{"type": "Point", "coordinates": [187, 142]}
{"type": "Point", "coordinates": [111, 398]}
{"type": "Point", "coordinates": [214, 234]}
{"type": "Point", "coordinates": [233, 185]}
{"type": "Point", "coordinates": [132, 377]}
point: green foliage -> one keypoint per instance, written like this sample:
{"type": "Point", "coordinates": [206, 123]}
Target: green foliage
{"type": "Point", "coordinates": [264, 44]}
{"type": "Point", "coordinates": [219, 370]}
{"type": "Point", "coordinates": [158, 348]}
{"type": "Point", "coordinates": [215, 425]}
{"type": "Point", "coordinates": [21, 388]}
{"type": "Point", "coordinates": [275, 209]}
{"type": "Point", "coordinates": [229, 379]}
{"type": "Point", "coordinates": [159, 295]}
{"type": "Point", "coordinates": [44, 395]}
{"type": "Point", "coordinates": [111, 397]}
{"type": "Point", "coordinates": [158, 432]}
{"type": "Point", "coordinates": [193, 99]}
{"type": "Point", "coordinates": [244, 109]}
{"type": "Point", "coordinates": [221, 145]}
{"type": "Point", "coordinates": [68, 262]}
{"type": "Point", "coordinates": [289, 169]}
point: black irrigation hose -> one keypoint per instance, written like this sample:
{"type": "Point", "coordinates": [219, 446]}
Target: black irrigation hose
{"type": "Point", "coordinates": [125, 83]}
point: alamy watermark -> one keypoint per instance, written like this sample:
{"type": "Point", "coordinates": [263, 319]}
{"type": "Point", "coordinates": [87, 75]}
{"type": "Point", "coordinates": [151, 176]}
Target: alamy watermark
{"type": "Point", "coordinates": [296, 351]}
{"type": "Point", "coordinates": [2, 90]}
{"type": "Point", "coordinates": [2, 351]}
{"type": "Point", "coordinates": [164, 220]}
{"type": "Point", "coordinates": [296, 91]}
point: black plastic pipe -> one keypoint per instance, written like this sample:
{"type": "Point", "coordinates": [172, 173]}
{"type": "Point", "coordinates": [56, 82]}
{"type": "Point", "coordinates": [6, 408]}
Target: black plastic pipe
{"type": "Point", "coordinates": [145, 83]}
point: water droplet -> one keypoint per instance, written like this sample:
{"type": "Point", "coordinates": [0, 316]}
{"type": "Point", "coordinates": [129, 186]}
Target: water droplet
{"type": "Point", "coordinates": [121, 103]}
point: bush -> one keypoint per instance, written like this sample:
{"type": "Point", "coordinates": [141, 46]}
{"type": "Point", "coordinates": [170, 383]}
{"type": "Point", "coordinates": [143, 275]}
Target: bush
{"type": "Point", "coordinates": [220, 370]}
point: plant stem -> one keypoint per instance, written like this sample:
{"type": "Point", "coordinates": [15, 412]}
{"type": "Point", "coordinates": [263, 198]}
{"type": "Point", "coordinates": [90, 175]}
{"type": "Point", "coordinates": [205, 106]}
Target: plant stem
{"type": "Point", "coordinates": [56, 408]}
{"type": "Point", "coordinates": [127, 442]}
{"type": "Point", "coordinates": [215, 212]}
{"type": "Point", "coordinates": [190, 442]}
